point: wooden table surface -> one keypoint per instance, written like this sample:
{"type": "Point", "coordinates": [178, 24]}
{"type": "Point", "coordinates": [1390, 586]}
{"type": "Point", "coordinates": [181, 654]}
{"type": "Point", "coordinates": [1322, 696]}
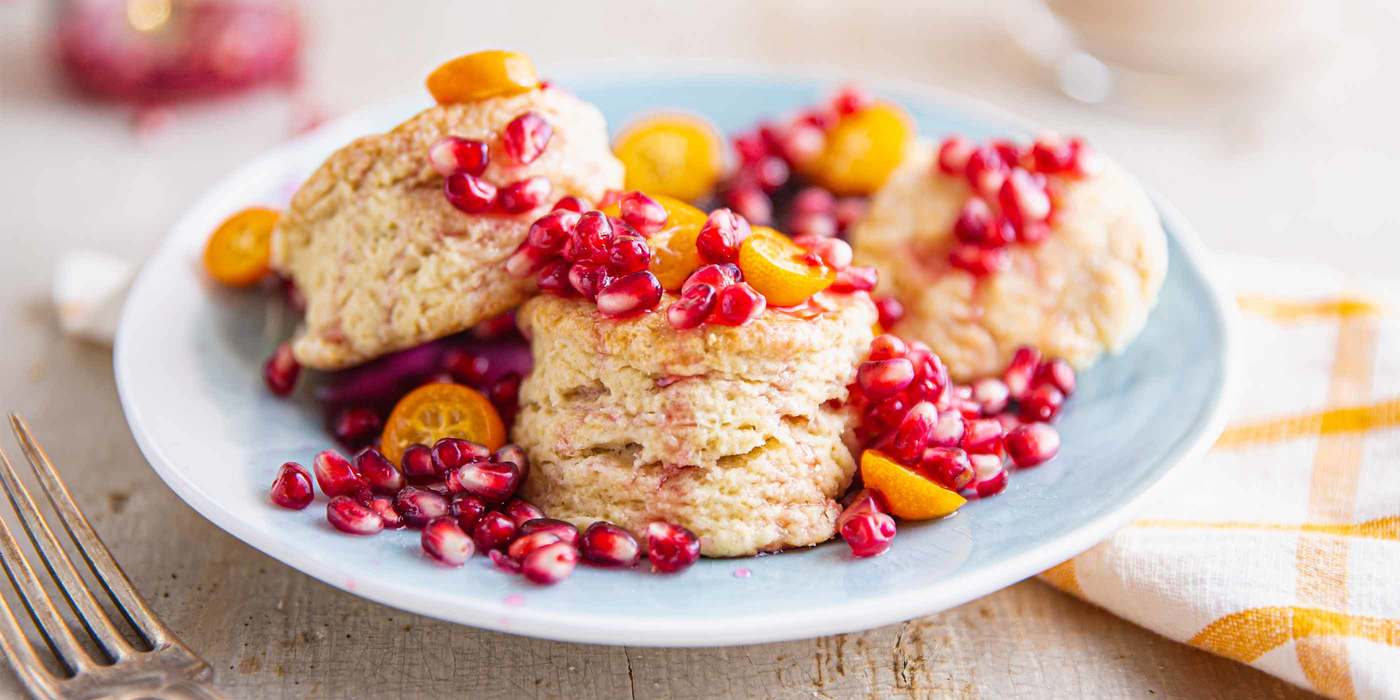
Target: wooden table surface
{"type": "Point", "coordinates": [75, 176]}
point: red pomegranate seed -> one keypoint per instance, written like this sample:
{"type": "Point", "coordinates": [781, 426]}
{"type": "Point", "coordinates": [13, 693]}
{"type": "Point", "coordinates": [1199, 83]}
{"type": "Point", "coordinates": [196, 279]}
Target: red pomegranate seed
{"type": "Point", "coordinates": [953, 154]}
{"type": "Point", "coordinates": [628, 254]}
{"type": "Point", "coordinates": [512, 453]}
{"type": "Point", "coordinates": [417, 462]}
{"type": "Point", "coordinates": [717, 276]}
{"type": "Point", "coordinates": [949, 466]}
{"type": "Point", "coordinates": [466, 367]}
{"type": "Point", "coordinates": [630, 294]}
{"type": "Point", "coordinates": [522, 545]}
{"type": "Point", "coordinates": [349, 516]}
{"type": "Point", "coordinates": [721, 235]}
{"type": "Point", "coordinates": [554, 278]}
{"type": "Point", "coordinates": [855, 279]}
{"type": "Point", "coordinates": [885, 415]}
{"type": "Point", "coordinates": [802, 143]}
{"type": "Point", "coordinates": [570, 203]}
{"type": "Point", "coordinates": [378, 472]}
{"type": "Point", "coordinates": [523, 195]}
{"type": "Point", "coordinates": [1041, 404]}
{"type": "Point", "coordinates": [526, 137]}
{"type": "Point", "coordinates": [564, 530]}
{"type": "Point", "coordinates": [335, 475]}
{"type": "Point", "coordinates": [1011, 152]}
{"type": "Point", "coordinates": [983, 436]}
{"type": "Point", "coordinates": [991, 394]}
{"type": "Point", "coordinates": [1086, 162]}
{"type": "Point", "coordinates": [444, 540]}
{"type": "Point", "coordinates": [770, 173]}
{"type": "Point", "coordinates": [913, 433]}
{"type": "Point", "coordinates": [851, 99]}
{"type": "Point", "coordinates": [418, 506]}
{"type": "Point", "coordinates": [974, 222]}
{"type": "Point", "coordinates": [949, 430]}
{"type": "Point", "coordinates": [503, 561]}
{"type": "Point", "coordinates": [1056, 373]}
{"type": "Point", "coordinates": [751, 203]}
{"type": "Point", "coordinates": [750, 147]}
{"type": "Point", "coordinates": [281, 370]}
{"type": "Point", "coordinates": [551, 231]}
{"type": "Point", "coordinates": [1032, 444]}
{"type": "Point", "coordinates": [986, 465]}
{"type": "Point", "coordinates": [1023, 198]}
{"type": "Point", "coordinates": [979, 261]}
{"type": "Point", "coordinates": [863, 501]}
{"type": "Point", "coordinates": [849, 210]}
{"type": "Point", "coordinates": [467, 509]}
{"type": "Point", "coordinates": [738, 304]}
{"type": "Point", "coordinates": [813, 200]}
{"type": "Point", "coordinates": [834, 252]}
{"type": "Point", "coordinates": [986, 171]}
{"type": "Point", "coordinates": [606, 544]}
{"type": "Point", "coordinates": [493, 482]}
{"type": "Point", "coordinates": [887, 346]}
{"type": "Point", "coordinates": [1021, 370]}
{"type": "Point", "coordinates": [610, 197]}
{"type": "Point", "coordinates": [993, 485]}
{"type": "Point", "coordinates": [469, 193]}
{"type": "Point", "coordinates": [868, 534]}
{"type": "Point", "coordinates": [450, 453]}
{"type": "Point", "coordinates": [1032, 232]}
{"type": "Point", "coordinates": [642, 213]}
{"type": "Point", "coordinates": [815, 224]}
{"type": "Point", "coordinates": [586, 278]}
{"type": "Point", "coordinates": [589, 239]}
{"type": "Point", "coordinates": [493, 530]}
{"type": "Point", "coordinates": [891, 311]}
{"type": "Point", "coordinates": [881, 378]}
{"type": "Point", "coordinates": [506, 391]}
{"type": "Point", "coordinates": [383, 506]}
{"type": "Point", "coordinates": [670, 547]}
{"type": "Point", "coordinates": [1009, 422]}
{"type": "Point", "coordinates": [692, 308]}
{"type": "Point", "coordinates": [550, 564]}
{"type": "Point", "coordinates": [292, 487]}
{"type": "Point", "coordinates": [526, 260]}
{"type": "Point", "coordinates": [453, 154]}
{"type": "Point", "coordinates": [1052, 154]}
{"type": "Point", "coordinates": [520, 511]}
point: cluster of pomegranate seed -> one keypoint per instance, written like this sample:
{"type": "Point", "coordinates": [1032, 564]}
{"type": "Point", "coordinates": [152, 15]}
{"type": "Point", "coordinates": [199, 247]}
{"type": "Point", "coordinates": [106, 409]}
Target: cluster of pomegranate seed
{"type": "Point", "coordinates": [768, 155]}
{"type": "Point", "coordinates": [462, 162]}
{"type": "Point", "coordinates": [1011, 200]}
{"type": "Point", "coordinates": [715, 293]}
{"type": "Point", "coordinates": [595, 256]}
{"type": "Point", "coordinates": [462, 496]}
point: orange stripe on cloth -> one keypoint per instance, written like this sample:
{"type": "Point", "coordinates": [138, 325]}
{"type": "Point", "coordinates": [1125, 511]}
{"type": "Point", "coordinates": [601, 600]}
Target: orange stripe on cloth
{"type": "Point", "coordinates": [1249, 634]}
{"type": "Point", "coordinates": [1303, 310]}
{"type": "Point", "coordinates": [1379, 529]}
{"type": "Point", "coordinates": [1350, 419]}
{"type": "Point", "coordinates": [1064, 577]}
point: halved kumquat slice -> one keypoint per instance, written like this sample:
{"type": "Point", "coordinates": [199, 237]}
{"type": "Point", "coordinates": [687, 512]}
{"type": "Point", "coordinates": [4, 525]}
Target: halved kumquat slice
{"type": "Point", "coordinates": [239, 251]}
{"type": "Point", "coordinates": [781, 270]}
{"type": "Point", "coordinates": [909, 495]}
{"type": "Point", "coordinates": [862, 150]}
{"type": "Point", "coordinates": [477, 76]}
{"type": "Point", "coordinates": [678, 155]}
{"type": "Point", "coordinates": [438, 410]}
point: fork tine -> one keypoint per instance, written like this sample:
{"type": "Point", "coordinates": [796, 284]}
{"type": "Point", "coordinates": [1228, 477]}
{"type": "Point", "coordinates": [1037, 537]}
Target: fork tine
{"type": "Point", "coordinates": [98, 557]}
{"type": "Point", "coordinates": [60, 567]}
{"type": "Point", "coordinates": [25, 663]}
{"type": "Point", "coordinates": [37, 600]}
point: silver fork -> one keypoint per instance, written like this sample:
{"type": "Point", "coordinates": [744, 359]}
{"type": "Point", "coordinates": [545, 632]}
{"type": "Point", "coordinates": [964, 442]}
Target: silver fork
{"type": "Point", "coordinates": [167, 670]}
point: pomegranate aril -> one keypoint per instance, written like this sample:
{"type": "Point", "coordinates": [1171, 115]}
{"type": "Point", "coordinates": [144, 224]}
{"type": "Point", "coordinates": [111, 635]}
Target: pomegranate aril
{"type": "Point", "coordinates": [863, 501]}
{"type": "Point", "coordinates": [493, 530]}
{"type": "Point", "coordinates": [281, 370]}
{"type": "Point", "coordinates": [982, 436]}
{"type": "Point", "coordinates": [570, 203]}
{"type": "Point", "coordinates": [467, 509]}
{"type": "Point", "coordinates": [979, 261]}
{"type": "Point", "coordinates": [692, 308]}
{"type": "Point", "coordinates": [670, 547]}
{"type": "Point", "coordinates": [469, 193]}
{"type": "Point", "coordinates": [974, 222]}
{"type": "Point", "coordinates": [642, 213]}
{"type": "Point", "coordinates": [505, 393]}
{"type": "Point", "coordinates": [492, 482]}
{"type": "Point", "coordinates": [750, 147]}
{"type": "Point", "coordinates": [503, 561]}
{"type": "Point", "coordinates": [802, 143]}
{"type": "Point", "coordinates": [526, 137]}
{"type": "Point", "coordinates": [833, 252]}
{"type": "Point", "coordinates": [882, 378]}
{"type": "Point", "coordinates": [349, 516]}
{"type": "Point", "coordinates": [1052, 154]}
{"type": "Point", "coordinates": [378, 472]}
{"type": "Point", "coordinates": [1023, 198]}
{"type": "Point", "coordinates": [868, 534]}
{"type": "Point", "coordinates": [738, 304]}
{"type": "Point", "coordinates": [891, 311]}
{"type": "Point", "coordinates": [417, 462]}
{"type": "Point", "coordinates": [770, 173]}
{"type": "Point", "coordinates": [606, 544]}
{"type": "Point", "coordinates": [628, 254]}
{"type": "Point", "coordinates": [815, 224]}
{"type": "Point", "coordinates": [630, 294]}
{"type": "Point", "coordinates": [418, 506]}
{"type": "Point", "coordinates": [885, 415]}
{"type": "Point", "coordinates": [454, 154]}
{"type": "Point", "coordinates": [719, 238]}
{"type": "Point", "coordinates": [1041, 404]}
{"type": "Point", "coordinates": [586, 278]}
{"type": "Point", "coordinates": [1086, 162]}
{"type": "Point", "coordinates": [521, 511]}
{"type": "Point", "coordinates": [1032, 444]}
{"type": "Point", "coordinates": [512, 453]}
{"type": "Point", "coordinates": [717, 276]}
{"type": "Point", "coordinates": [589, 239]}
{"type": "Point", "coordinates": [949, 430]}
{"type": "Point", "coordinates": [444, 540]}
{"type": "Point", "coordinates": [1032, 232]}
{"type": "Point", "coordinates": [991, 394]}
{"type": "Point", "coordinates": [523, 195]}
{"type": "Point", "coordinates": [949, 466]}
{"type": "Point", "coordinates": [450, 453]}
{"type": "Point", "coordinates": [550, 232]}
{"type": "Point", "coordinates": [550, 564]}
{"type": "Point", "coordinates": [1019, 372]}
{"type": "Point", "coordinates": [855, 279]}
{"type": "Point", "coordinates": [556, 277]}
{"type": "Point", "coordinates": [813, 200]}
{"type": "Point", "coordinates": [985, 171]}
{"type": "Point", "coordinates": [522, 545]}
{"type": "Point", "coordinates": [383, 506]}
{"type": "Point", "coordinates": [849, 210]}
{"type": "Point", "coordinates": [851, 99]}
{"type": "Point", "coordinates": [292, 487]}
{"type": "Point", "coordinates": [335, 475]}
{"type": "Point", "coordinates": [992, 486]}
{"type": "Point", "coordinates": [526, 260]}
{"type": "Point", "coordinates": [953, 154]}
{"type": "Point", "coordinates": [913, 433]}
{"type": "Point", "coordinates": [751, 203]}
{"type": "Point", "coordinates": [566, 532]}
{"type": "Point", "coordinates": [887, 346]}
{"type": "Point", "coordinates": [1056, 373]}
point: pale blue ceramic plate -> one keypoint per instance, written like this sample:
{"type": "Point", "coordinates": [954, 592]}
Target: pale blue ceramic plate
{"type": "Point", "coordinates": [188, 364]}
